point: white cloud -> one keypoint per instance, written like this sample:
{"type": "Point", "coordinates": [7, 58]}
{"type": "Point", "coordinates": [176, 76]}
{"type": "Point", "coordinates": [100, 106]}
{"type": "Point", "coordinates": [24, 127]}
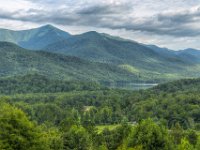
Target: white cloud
{"type": "Point", "coordinates": [15, 5]}
{"type": "Point", "coordinates": [170, 23]}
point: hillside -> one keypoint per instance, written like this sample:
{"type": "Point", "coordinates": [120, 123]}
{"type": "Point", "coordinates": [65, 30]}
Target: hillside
{"type": "Point", "coordinates": [18, 61]}
{"type": "Point", "coordinates": [149, 61]}
{"type": "Point", "coordinates": [187, 55]}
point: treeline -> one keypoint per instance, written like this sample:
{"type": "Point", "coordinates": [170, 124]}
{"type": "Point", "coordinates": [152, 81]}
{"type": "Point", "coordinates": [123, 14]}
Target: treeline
{"type": "Point", "coordinates": [183, 85]}
{"type": "Point", "coordinates": [35, 83]}
{"type": "Point", "coordinates": [18, 132]}
{"type": "Point", "coordinates": [112, 106]}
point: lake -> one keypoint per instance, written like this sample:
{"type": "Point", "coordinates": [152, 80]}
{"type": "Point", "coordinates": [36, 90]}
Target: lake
{"type": "Point", "coordinates": [129, 85]}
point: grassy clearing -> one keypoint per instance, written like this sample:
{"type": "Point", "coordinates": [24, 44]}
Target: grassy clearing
{"type": "Point", "coordinates": [129, 68]}
{"type": "Point", "coordinates": [110, 127]}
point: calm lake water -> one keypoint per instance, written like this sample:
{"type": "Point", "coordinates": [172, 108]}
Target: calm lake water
{"type": "Point", "coordinates": [129, 85]}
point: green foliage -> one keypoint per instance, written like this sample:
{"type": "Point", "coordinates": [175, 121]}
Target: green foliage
{"type": "Point", "coordinates": [115, 138]}
{"type": "Point", "coordinates": [186, 85]}
{"type": "Point", "coordinates": [54, 138]}
{"type": "Point", "coordinates": [17, 132]}
{"type": "Point", "coordinates": [198, 144]}
{"type": "Point", "coordinates": [35, 83]}
{"type": "Point", "coordinates": [150, 136]}
{"type": "Point", "coordinates": [76, 138]}
{"type": "Point", "coordinates": [85, 118]}
{"type": "Point", "coordinates": [104, 106]}
{"type": "Point", "coordinates": [177, 133]}
{"type": "Point", "coordinates": [192, 137]}
{"type": "Point", "coordinates": [185, 145]}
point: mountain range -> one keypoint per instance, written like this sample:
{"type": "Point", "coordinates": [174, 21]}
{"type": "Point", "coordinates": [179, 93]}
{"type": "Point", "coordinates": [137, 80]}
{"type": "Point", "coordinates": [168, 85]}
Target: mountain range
{"type": "Point", "coordinates": [18, 61]}
{"type": "Point", "coordinates": [91, 56]}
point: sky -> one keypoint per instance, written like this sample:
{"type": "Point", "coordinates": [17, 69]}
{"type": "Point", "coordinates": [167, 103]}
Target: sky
{"type": "Point", "coordinates": [174, 24]}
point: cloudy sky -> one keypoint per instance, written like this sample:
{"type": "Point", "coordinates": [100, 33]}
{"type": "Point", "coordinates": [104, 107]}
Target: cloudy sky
{"type": "Point", "coordinates": [168, 23]}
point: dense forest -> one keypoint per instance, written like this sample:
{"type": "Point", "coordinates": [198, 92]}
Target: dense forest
{"type": "Point", "coordinates": [99, 91]}
{"type": "Point", "coordinates": [35, 83]}
{"type": "Point", "coordinates": [38, 113]}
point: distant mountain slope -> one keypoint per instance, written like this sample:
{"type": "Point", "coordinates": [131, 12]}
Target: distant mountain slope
{"type": "Point", "coordinates": [147, 60]}
{"type": "Point", "coordinates": [165, 52]}
{"type": "Point", "coordinates": [189, 55]}
{"type": "Point", "coordinates": [98, 47]}
{"type": "Point", "coordinates": [34, 39]}
{"type": "Point", "coordinates": [18, 61]}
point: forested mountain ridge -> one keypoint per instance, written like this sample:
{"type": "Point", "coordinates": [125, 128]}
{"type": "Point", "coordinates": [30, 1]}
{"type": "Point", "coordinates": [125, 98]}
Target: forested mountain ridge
{"type": "Point", "coordinates": [15, 60]}
{"type": "Point", "coordinates": [99, 47]}
{"type": "Point", "coordinates": [188, 55]}
{"type": "Point", "coordinates": [138, 61]}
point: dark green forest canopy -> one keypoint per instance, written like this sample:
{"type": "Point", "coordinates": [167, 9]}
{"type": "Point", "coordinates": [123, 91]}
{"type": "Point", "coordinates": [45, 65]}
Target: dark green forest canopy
{"type": "Point", "coordinates": [183, 85]}
{"type": "Point", "coordinates": [64, 115]}
{"type": "Point", "coordinates": [181, 101]}
{"type": "Point", "coordinates": [35, 83]}
{"type": "Point", "coordinates": [18, 132]}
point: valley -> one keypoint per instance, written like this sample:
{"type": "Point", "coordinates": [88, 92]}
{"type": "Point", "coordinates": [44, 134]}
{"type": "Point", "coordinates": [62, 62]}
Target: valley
{"type": "Point", "coordinates": [94, 91]}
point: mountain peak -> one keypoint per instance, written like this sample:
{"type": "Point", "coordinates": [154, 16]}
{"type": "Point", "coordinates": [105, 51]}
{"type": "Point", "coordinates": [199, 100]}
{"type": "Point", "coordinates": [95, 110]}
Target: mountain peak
{"type": "Point", "coordinates": [36, 38]}
{"type": "Point", "coordinates": [49, 27]}
{"type": "Point", "coordinates": [92, 33]}
{"type": "Point", "coordinates": [59, 32]}
{"type": "Point", "coordinates": [190, 49]}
